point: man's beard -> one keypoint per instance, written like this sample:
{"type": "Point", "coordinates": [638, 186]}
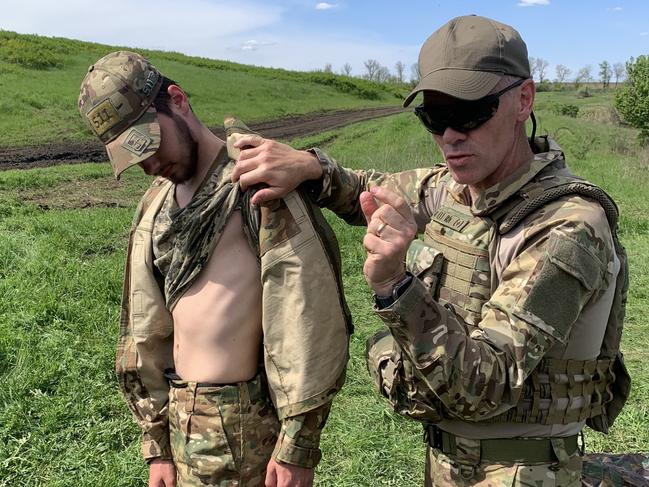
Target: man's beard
{"type": "Point", "coordinates": [185, 170]}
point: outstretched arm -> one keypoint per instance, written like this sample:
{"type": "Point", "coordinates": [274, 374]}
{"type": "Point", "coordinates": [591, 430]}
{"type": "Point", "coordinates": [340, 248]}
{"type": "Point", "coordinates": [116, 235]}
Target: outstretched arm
{"type": "Point", "coordinates": [279, 166]}
{"type": "Point", "coordinates": [281, 169]}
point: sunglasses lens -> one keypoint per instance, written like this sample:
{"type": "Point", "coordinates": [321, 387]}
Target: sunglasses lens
{"type": "Point", "coordinates": [462, 117]}
{"type": "Point", "coordinates": [431, 119]}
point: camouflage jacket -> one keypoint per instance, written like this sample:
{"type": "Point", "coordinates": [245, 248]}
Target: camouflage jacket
{"type": "Point", "coordinates": [302, 383]}
{"type": "Point", "coordinates": [542, 290]}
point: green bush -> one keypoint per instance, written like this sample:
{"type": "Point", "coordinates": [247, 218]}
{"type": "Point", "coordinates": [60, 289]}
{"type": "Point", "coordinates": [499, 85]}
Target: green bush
{"type": "Point", "coordinates": [584, 92]}
{"type": "Point", "coordinates": [544, 86]}
{"type": "Point", "coordinates": [566, 109]}
{"type": "Point", "coordinates": [31, 51]}
{"type": "Point", "coordinates": [643, 138]}
{"type": "Point", "coordinates": [632, 99]}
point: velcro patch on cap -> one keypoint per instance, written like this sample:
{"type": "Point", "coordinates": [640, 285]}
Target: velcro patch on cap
{"type": "Point", "coordinates": [136, 142]}
{"type": "Point", "coordinates": [103, 117]}
{"type": "Point", "coordinates": [150, 82]}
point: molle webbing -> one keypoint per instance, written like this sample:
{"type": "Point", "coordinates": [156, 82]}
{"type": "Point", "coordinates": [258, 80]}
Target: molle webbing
{"type": "Point", "coordinates": [530, 201]}
{"type": "Point", "coordinates": [464, 280]}
{"type": "Point", "coordinates": [463, 239]}
{"type": "Point", "coordinates": [562, 392]}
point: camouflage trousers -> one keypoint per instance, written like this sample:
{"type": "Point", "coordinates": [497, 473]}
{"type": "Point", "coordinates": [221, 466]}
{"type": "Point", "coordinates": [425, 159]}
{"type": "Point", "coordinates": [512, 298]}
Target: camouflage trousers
{"type": "Point", "coordinates": [444, 471]}
{"type": "Point", "coordinates": [221, 435]}
{"type": "Point", "coordinates": [395, 380]}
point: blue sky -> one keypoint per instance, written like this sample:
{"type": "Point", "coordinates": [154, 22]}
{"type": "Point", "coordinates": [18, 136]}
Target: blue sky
{"type": "Point", "coordinates": [305, 35]}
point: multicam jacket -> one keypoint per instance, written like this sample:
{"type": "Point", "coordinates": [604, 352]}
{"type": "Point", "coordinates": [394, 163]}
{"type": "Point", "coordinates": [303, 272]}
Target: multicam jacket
{"type": "Point", "coordinates": [501, 332]}
{"type": "Point", "coordinates": [303, 382]}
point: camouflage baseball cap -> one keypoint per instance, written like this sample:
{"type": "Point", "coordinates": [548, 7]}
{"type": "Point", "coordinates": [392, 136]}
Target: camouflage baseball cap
{"type": "Point", "coordinates": [115, 100]}
{"type": "Point", "coordinates": [466, 57]}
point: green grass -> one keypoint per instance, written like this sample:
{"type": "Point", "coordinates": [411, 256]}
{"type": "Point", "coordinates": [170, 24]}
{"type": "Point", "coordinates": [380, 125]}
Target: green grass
{"type": "Point", "coordinates": [62, 420]}
{"type": "Point", "coordinates": [40, 78]}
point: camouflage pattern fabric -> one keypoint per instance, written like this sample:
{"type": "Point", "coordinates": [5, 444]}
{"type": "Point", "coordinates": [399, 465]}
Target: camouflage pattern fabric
{"type": "Point", "coordinates": [608, 470]}
{"type": "Point", "coordinates": [184, 238]}
{"type": "Point", "coordinates": [443, 471]}
{"type": "Point", "coordinates": [115, 101]}
{"type": "Point", "coordinates": [299, 438]}
{"type": "Point", "coordinates": [302, 383]}
{"type": "Point", "coordinates": [221, 435]}
{"type": "Point", "coordinates": [460, 364]}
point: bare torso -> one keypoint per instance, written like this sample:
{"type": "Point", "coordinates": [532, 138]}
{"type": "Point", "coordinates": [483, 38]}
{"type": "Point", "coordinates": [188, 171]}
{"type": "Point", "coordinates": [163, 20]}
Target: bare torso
{"type": "Point", "coordinates": [217, 322]}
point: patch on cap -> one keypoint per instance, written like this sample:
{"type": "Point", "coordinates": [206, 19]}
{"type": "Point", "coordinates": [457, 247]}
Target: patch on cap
{"type": "Point", "coordinates": [103, 117]}
{"type": "Point", "coordinates": [136, 142]}
{"type": "Point", "coordinates": [152, 78]}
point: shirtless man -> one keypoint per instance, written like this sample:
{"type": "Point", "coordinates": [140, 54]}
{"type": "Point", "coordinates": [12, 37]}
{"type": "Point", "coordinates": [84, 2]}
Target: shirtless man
{"type": "Point", "coordinates": [227, 372]}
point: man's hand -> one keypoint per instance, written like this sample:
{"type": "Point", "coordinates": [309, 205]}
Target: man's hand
{"type": "Point", "coordinates": [162, 473]}
{"type": "Point", "coordinates": [390, 230]}
{"type": "Point", "coordinates": [287, 475]}
{"type": "Point", "coordinates": [274, 164]}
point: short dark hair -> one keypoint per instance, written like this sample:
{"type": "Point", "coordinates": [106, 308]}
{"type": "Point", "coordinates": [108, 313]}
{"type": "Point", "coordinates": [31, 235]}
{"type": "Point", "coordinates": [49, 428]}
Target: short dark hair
{"type": "Point", "coordinates": [162, 101]}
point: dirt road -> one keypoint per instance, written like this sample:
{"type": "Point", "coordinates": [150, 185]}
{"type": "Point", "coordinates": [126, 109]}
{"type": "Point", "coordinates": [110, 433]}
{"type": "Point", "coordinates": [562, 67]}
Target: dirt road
{"type": "Point", "coordinates": [91, 151]}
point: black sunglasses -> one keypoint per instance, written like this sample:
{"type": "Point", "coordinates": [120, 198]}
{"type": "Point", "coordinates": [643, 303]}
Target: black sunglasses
{"type": "Point", "coordinates": [462, 116]}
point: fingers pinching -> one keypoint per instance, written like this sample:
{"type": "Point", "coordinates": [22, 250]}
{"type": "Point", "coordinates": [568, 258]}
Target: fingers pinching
{"type": "Point", "coordinates": [249, 140]}
{"type": "Point", "coordinates": [392, 199]}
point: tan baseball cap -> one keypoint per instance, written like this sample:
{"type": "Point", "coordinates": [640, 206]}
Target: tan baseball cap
{"type": "Point", "coordinates": [115, 100]}
{"type": "Point", "coordinates": [467, 56]}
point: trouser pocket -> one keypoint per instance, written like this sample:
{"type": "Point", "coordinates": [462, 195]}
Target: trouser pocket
{"type": "Point", "coordinates": [222, 435]}
{"type": "Point", "coordinates": [199, 442]}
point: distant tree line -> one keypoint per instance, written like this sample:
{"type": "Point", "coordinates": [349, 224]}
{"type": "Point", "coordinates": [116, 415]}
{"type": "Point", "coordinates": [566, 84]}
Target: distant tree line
{"type": "Point", "coordinates": [374, 71]}
{"type": "Point", "coordinates": [607, 72]}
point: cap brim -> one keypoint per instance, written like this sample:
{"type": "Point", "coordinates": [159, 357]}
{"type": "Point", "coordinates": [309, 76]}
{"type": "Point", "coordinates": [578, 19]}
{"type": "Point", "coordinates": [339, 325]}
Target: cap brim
{"type": "Point", "coordinates": [136, 143]}
{"type": "Point", "coordinates": [458, 83]}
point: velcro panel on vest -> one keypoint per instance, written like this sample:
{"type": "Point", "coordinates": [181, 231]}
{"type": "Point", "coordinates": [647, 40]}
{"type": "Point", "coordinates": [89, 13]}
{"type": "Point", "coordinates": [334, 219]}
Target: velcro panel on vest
{"type": "Point", "coordinates": [464, 279]}
{"type": "Point", "coordinates": [559, 272]}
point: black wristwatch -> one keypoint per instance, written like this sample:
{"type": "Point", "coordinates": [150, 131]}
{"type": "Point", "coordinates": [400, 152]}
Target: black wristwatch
{"type": "Point", "coordinates": [398, 289]}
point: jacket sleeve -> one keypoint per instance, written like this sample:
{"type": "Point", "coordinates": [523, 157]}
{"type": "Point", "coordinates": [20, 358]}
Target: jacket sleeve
{"type": "Point", "coordinates": [305, 321]}
{"type": "Point", "coordinates": [478, 372]}
{"type": "Point", "coordinates": [339, 189]}
{"type": "Point", "coordinates": [299, 438]}
{"type": "Point", "coordinates": [145, 345]}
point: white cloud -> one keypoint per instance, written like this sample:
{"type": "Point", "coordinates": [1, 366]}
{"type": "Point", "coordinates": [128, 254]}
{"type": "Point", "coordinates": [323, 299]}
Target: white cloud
{"type": "Point", "coordinates": [253, 45]}
{"type": "Point", "coordinates": [125, 23]}
{"type": "Point", "coordinates": [533, 3]}
{"type": "Point", "coordinates": [325, 6]}
{"type": "Point", "coordinates": [247, 31]}
{"type": "Point", "coordinates": [614, 9]}
{"type": "Point", "coordinates": [644, 33]}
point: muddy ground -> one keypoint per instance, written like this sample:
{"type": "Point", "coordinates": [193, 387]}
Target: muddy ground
{"type": "Point", "coordinates": [68, 152]}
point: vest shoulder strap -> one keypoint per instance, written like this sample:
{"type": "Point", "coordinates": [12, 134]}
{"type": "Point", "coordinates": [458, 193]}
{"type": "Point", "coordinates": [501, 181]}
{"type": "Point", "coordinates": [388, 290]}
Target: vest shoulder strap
{"type": "Point", "coordinates": [527, 202]}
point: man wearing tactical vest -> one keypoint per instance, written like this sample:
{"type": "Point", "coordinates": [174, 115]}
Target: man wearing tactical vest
{"type": "Point", "coordinates": [227, 372]}
{"type": "Point", "coordinates": [504, 320]}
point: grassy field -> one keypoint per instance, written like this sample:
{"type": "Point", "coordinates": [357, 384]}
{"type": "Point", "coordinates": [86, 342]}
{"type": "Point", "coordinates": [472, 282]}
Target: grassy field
{"type": "Point", "coordinates": [40, 78]}
{"type": "Point", "coordinates": [63, 233]}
